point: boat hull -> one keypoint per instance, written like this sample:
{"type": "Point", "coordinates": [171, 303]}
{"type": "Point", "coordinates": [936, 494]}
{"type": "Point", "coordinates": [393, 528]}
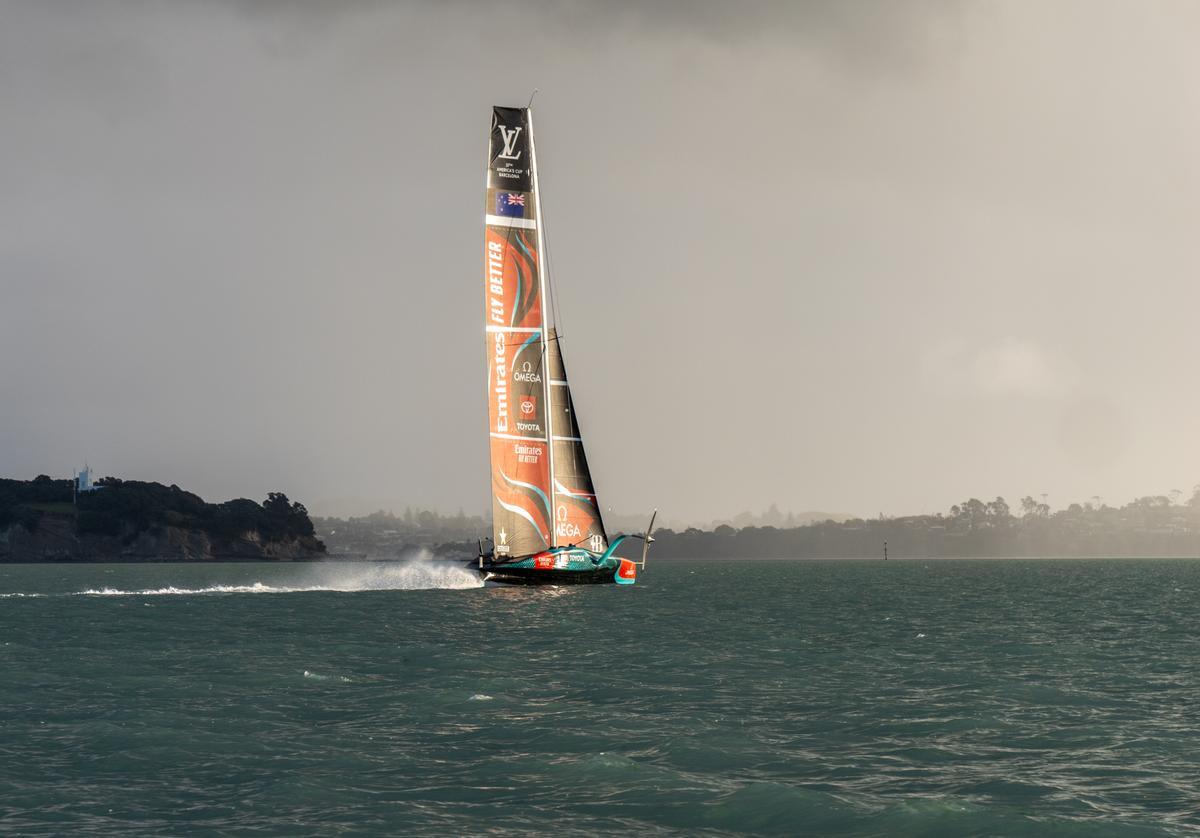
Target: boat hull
{"type": "Point", "coordinates": [536, 576]}
{"type": "Point", "coordinates": [560, 566]}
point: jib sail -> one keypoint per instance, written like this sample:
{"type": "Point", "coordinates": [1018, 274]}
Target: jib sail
{"type": "Point", "coordinates": [577, 519]}
{"type": "Point", "coordinates": [542, 493]}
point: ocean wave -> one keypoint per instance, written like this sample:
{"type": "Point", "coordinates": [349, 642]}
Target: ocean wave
{"type": "Point", "coordinates": [316, 676]}
{"type": "Point", "coordinates": [1036, 705]}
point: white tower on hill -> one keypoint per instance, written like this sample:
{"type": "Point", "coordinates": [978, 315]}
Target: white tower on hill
{"type": "Point", "coordinates": [83, 482]}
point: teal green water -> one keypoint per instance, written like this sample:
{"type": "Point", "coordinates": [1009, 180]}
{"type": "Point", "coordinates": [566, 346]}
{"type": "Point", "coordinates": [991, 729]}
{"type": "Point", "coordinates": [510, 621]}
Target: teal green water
{"type": "Point", "coordinates": [827, 698]}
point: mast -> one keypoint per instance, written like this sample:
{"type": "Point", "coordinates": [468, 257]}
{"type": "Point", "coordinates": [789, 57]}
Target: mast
{"type": "Point", "coordinates": [543, 270]}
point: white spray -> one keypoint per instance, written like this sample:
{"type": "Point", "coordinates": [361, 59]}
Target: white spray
{"type": "Point", "coordinates": [421, 572]}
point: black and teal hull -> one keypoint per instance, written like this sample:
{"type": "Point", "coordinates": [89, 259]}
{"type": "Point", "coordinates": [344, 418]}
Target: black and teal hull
{"type": "Point", "coordinates": [559, 566]}
{"type": "Point", "coordinates": [533, 576]}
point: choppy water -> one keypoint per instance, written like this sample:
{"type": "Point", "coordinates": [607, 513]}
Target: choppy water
{"type": "Point", "coordinates": [831, 698]}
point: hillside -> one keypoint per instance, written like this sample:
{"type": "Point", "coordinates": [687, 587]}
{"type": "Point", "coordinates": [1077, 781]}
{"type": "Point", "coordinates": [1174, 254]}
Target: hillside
{"type": "Point", "coordinates": [130, 520]}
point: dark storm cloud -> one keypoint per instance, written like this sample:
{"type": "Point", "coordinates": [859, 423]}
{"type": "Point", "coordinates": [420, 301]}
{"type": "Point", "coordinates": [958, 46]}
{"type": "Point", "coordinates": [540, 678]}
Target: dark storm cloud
{"type": "Point", "coordinates": [861, 256]}
{"type": "Point", "coordinates": [863, 33]}
{"type": "Point", "coordinates": [863, 29]}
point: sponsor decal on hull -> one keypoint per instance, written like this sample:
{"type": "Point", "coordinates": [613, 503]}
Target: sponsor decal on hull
{"type": "Point", "coordinates": [563, 560]}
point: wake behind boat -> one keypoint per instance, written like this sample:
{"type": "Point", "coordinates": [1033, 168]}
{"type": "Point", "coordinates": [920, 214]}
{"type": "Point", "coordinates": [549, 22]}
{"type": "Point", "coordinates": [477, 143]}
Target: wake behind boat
{"type": "Point", "coordinates": [546, 521]}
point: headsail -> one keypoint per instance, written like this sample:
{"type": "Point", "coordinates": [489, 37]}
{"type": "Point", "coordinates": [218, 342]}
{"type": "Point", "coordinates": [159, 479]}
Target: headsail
{"type": "Point", "coordinates": [577, 518]}
{"type": "Point", "coordinates": [522, 493]}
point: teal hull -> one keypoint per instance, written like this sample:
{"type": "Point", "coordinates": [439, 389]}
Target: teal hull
{"type": "Point", "coordinates": [560, 566]}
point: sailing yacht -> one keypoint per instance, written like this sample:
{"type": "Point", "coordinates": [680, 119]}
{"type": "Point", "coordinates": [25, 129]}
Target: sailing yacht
{"type": "Point", "coordinates": [546, 521]}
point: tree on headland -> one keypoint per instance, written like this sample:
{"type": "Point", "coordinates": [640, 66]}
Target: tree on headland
{"type": "Point", "coordinates": [125, 508]}
{"type": "Point", "coordinates": [1032, 509]}
{"type": "Point", "coordinates": [999, 512]}
{"type": "Point", "coordinates": [291, 519]}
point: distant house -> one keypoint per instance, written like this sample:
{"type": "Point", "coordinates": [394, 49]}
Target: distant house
{"type": "Point", "coordinates": [83, 481]}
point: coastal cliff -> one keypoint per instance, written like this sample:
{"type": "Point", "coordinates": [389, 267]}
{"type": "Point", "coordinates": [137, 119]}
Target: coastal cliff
{"type": "Point", "coordinates": [133, 521]}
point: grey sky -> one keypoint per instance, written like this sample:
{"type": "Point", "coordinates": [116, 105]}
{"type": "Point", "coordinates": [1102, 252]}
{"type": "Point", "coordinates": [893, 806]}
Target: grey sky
{"type": "Point", "coordinates": [852, 256]}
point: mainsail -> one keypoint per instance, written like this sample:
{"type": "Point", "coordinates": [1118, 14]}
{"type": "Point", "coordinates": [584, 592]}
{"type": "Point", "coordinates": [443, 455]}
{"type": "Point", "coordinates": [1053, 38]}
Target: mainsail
{"type": "Point", "coordinates": [542, 493]}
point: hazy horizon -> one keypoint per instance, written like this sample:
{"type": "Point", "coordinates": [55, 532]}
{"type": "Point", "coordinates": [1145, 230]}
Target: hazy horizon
{"type": "Point", "coordinates": [859, 257]}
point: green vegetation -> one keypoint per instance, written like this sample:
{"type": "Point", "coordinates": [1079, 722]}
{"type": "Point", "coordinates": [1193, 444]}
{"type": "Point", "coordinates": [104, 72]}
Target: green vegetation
{"type": "Point", "coordinates": [385, 534]}
{"type": "Point", "coordinates": [124, 508]}
{"type": "Point", "coordinates": [1162, 525]}
{"type": "Point", "coordinates": [24, 501]}
{"type": "Point", "coordinates": [1150, 526]}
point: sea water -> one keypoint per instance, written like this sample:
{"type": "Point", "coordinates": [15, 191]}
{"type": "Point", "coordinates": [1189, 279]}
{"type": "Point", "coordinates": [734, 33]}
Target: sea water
{"type": "Point", "coordinates": [828, 698]}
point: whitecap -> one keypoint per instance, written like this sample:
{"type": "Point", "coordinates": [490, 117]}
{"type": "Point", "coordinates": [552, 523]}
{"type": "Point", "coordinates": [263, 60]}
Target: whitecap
{"type": "Point", "coordinates": [315, 676]}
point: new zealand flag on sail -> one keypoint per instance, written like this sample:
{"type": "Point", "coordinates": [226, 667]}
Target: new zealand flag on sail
{"type": "Point", "coordinates": [511, 204]}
